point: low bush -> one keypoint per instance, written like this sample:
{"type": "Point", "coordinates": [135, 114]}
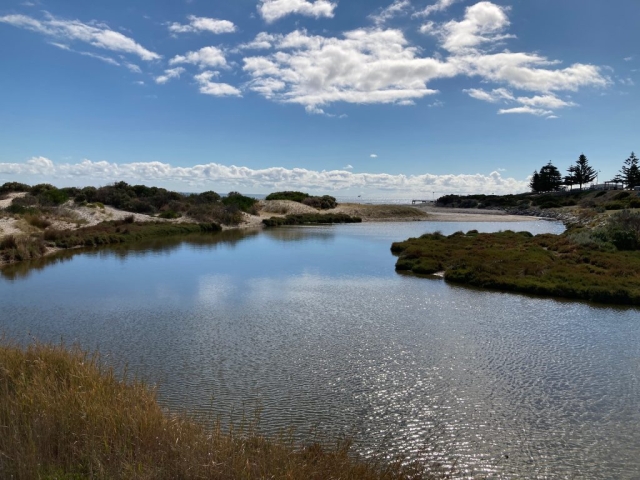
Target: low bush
{"type": "Point", "coordinates": [170, 215]}
{"type": "Point", "coordinates": [288, 195]}
{"type": "Point", "coordinates": [37, 221]}
{"type": "Point", "coordinates": [614, 206]}
{"type": "Point", "coordinates": [326, 202]}
{"type": "Point", "coordinates": [621, 195]}
{"type": "Point", "coordinates": [243, 203]}
{"type": "Point", "coordinates": [310, 219]}
{"type": "Point", "coordinates": [11, 187]}
{"type": "Point", "coordinates": [578, 264]}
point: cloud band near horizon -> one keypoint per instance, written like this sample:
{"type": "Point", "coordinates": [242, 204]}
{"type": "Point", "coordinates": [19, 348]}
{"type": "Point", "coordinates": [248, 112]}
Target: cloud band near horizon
{"type": "Point", "coordinates": [214, 176]}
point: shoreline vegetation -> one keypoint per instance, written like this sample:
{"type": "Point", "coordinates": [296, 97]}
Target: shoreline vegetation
{"type": "Point", "coordinates": [596, 259]}
{"type": "Point", "coordinates": [64, 415]}
{"type": "Point", "coordinates": [40, 220]}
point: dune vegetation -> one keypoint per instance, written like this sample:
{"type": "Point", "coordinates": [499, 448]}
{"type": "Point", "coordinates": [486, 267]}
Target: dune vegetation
{"type": "Point", "coordinates": [65, 416]}
{"type": "Point", "coordinates": [310, 219]}
{"type": "Point", "coordinates": [600, 264]}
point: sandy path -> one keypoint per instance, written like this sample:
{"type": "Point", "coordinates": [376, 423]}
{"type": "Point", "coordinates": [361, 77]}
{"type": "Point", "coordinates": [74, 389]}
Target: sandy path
{"type": "Point", "coordinates": [438, 214]}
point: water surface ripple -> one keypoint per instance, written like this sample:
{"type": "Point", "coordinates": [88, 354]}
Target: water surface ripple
{"type": "Point", "coordinates": [314, 326]}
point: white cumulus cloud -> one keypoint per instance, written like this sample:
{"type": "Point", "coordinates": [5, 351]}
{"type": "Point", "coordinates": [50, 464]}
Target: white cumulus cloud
{"type": "Point", "coordinates": [203, 24]}
{"type": "Point", "coordinates": [272, 10]}
{"type": "Point", "coordinates": [206, 57]}
{"type": "Point", "coordinates": [208, 87]}
{"type": "Point", "coordinates": [365, 66]}
{"type": "Point", "coordinates": [204, 176]}
{"type": "Point", "coordinates": [169, 74]}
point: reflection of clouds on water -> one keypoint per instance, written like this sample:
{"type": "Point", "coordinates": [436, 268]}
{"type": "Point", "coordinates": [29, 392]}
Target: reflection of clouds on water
{"type": "Point", "coordinates": [302, 233]}
{"type": "Point", "coordinates": [215, 290]}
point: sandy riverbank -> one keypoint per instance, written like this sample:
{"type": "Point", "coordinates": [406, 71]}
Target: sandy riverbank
{"type": "Point", "coordinates": [73, 217]}
{"type": "Point", "coordinates": [443, 214]}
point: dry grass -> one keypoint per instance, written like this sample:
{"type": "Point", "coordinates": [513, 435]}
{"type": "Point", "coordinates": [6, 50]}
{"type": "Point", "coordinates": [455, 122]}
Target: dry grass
{"type": "Point", "coordinates": [285, 207]}
{"type": "Point", "coordinates": [381, 212]}
{"type": "Point", "coordinates": [64, 416]}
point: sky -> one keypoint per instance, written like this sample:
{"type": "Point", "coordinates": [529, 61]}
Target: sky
{"type": "Point", "coordinates": [380, 98]}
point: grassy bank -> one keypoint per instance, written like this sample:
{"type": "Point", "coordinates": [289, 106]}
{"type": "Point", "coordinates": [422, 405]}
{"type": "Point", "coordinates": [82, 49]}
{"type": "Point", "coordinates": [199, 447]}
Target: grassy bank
{"type": "Point", "coordinates": [580, 264]}
{"type": "Point", "coordinates": [14, 249]}
{"type": "Point", "coordinates": [310, 219]}
{"type": "Point", "coordinates": [63, 416]}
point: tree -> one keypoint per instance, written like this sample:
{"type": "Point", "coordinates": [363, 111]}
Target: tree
{"type": "Point", "coordinates": [630, 172]}
{"type": "Point", "coordinates": [534, 184]}
{"type": "Point", "coordinates": [550, 178]}
{"type": "Point", "coordinates": [571, 180]}
{"type": "Point", "coordinates": [582, 171]}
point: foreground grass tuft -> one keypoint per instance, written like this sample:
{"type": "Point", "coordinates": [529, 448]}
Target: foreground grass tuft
{"type": "Point", "coordinates": [64, 416]}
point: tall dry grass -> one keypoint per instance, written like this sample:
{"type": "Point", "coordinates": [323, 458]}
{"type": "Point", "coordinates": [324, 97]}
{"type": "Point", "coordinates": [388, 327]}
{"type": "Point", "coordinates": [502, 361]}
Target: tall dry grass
{"type": "Point", "coordinates": [64, 416]}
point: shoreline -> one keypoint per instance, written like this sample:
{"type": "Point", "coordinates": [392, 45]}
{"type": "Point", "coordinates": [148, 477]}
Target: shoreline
{"type": "Point", "coordinates": [17, 227]}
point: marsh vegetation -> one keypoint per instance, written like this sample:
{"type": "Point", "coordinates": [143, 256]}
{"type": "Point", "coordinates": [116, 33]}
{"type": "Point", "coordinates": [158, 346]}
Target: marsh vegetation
{"type": "Point", "coordinates": [599, 264]}
{"type": "Point", "coordinates": [64, 415]}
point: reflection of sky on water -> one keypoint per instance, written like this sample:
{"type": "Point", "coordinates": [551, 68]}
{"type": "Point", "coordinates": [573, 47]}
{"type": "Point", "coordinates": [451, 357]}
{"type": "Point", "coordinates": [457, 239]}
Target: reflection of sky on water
{"type": "Point", "coordinates": [314, 325]}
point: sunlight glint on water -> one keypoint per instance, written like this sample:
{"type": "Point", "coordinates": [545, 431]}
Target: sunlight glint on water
{"type": "Point", "coordinates": [314, 326]}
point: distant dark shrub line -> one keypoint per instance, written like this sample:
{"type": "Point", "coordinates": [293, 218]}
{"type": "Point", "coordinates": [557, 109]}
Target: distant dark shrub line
{"type": "Point", "coordinates": [310, 219]}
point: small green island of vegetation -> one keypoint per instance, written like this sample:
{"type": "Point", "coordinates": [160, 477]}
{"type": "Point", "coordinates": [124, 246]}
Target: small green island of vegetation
{"type": "Point", "coordinates": [596, 259]}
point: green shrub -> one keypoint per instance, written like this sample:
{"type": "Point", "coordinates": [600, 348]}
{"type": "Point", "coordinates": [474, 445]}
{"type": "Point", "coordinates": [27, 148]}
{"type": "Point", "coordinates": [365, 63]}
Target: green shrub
{"type": "Point", "coordinates": [621, 196]}
{"type": "Point", "coordinates": [326, 202]}
{"type": "Point", "coordinates": [310, 219]}
{"type": "Point", "coordinates": [600, 194]}
{"type": "Point", "coordinates": [11, 187]}
{"type": "Point", "coordinates": [52, 196]}
{"type": "Point", "coordinates": [17, 209]}
{"type": "Point", "coordinates": [614, 206]}
{"type": "Point", "coordinates": [25, 201]}
{"type": "Point", "coordinates": [170, 215]}
{"type": "Point", "coordinates": [246, 204]}
{"type": "Point", "coordinates": [37, 221]}
{"type": "Point", "coordinates": [288, 195]}
{"type": "Point", "coordinates": [571, 265]}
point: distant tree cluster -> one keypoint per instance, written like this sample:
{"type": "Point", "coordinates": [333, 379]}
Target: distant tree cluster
{"type": "Point", "coordinates": [549, 178]}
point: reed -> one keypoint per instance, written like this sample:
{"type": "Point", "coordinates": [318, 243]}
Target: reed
{"type": "Point", "coordinates": [64, 415]}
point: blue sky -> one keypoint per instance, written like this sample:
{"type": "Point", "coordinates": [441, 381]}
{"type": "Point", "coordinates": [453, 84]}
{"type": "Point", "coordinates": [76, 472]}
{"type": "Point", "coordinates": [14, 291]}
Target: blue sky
{"type": "Point", "coordinates": [383, 98]}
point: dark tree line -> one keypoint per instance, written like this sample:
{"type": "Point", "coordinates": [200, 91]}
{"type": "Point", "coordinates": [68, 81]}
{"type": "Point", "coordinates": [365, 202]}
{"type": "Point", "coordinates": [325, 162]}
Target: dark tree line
{"type": "Point", "coordinates": [549, 178]}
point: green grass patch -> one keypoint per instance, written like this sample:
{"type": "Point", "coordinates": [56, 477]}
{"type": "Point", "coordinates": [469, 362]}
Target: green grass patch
{"type": "Point", "coordinates": [554, 265]}
{"type": "Point", "coordinates": [124, 231]}
{"type": "Point", "coordinates": [310, 219]}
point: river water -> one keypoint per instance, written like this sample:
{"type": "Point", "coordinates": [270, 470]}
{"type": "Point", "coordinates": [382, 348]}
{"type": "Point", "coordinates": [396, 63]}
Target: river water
{"type": "Point", "coordinates": [313, 326]}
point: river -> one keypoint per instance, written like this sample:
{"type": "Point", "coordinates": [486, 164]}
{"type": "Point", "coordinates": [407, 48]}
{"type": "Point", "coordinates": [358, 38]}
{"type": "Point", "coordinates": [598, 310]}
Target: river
{"type": "Point", "coordinates": [313, 326]}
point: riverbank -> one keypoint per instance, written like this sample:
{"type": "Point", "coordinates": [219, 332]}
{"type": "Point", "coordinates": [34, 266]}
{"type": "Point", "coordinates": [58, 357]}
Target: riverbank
{"type": "Point", "coordinates": [41, 220]}
{"type": "Point", "coordinates": [598, 263]}
{"type": "Point", "coordinates": [65, 415]}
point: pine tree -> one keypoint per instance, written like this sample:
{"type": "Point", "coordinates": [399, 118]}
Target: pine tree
{"type": "Point", "coordinates": [630, 172]}
{"type": "Point", "coordinates": [534, 184]}
{"type": "Point", "coordinates": [570, 180]}
{"type": "Point", "coordinates": [550, 178]}
{"type": "Point", "coordinates": [582, 171]}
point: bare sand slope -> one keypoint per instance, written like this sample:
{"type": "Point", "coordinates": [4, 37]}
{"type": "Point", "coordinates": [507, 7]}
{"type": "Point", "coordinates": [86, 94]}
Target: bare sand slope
{"type": "Point", "coordinates": [439, 214]}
